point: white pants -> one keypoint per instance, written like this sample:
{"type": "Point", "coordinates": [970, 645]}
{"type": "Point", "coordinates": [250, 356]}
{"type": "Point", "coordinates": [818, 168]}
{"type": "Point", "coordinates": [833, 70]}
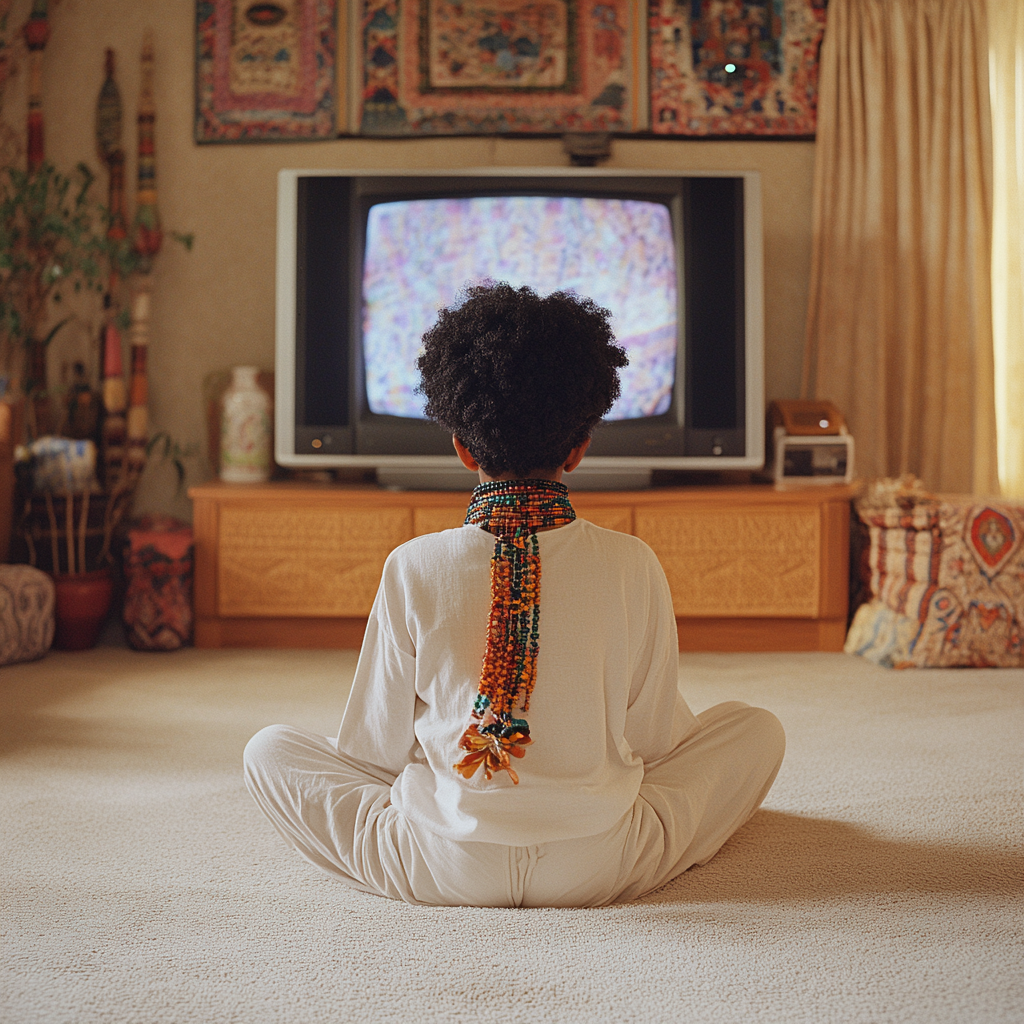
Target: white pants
{"type": "Point", "coordinates": [339, 816]}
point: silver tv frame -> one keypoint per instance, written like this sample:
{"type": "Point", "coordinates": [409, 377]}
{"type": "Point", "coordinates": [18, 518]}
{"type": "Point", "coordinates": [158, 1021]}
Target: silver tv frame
{"type": "Point", "coordinates": [442, 471]}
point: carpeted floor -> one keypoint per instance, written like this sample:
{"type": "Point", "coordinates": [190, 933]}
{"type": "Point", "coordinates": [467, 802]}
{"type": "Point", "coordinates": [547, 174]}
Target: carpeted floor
{"type": "Point", "coordinates": [882, 882]}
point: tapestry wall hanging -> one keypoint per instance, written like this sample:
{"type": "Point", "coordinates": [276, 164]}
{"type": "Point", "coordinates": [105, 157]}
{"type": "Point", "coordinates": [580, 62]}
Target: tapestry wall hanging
{"type": "Point", "coordinates": [265, 70]}
{"type": "Point", "coordinates": [735, 67]}
{"type": "Point", "coordinates": [467, 67]}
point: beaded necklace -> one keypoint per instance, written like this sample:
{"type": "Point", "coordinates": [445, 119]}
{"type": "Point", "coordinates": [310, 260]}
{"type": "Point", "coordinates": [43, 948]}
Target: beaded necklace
{"type": "Point", "coordinates": [513, 510]}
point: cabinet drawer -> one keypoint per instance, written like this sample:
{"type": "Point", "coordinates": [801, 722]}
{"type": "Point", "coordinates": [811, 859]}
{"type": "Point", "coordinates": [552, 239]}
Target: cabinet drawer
{"type": "Point", "coordinates": [304, 560]}
{"type": "Point", "coordinates": [740, 562]}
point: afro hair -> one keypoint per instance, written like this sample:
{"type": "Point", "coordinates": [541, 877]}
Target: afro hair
{"type": "Point", "coordinates": [519, 379]}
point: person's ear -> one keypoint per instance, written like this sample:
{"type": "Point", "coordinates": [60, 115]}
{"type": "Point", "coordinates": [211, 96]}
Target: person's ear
{"type": "Point", "coordinates": [463, 453]}
{"type": "Point", "coordinates": [576, 456]}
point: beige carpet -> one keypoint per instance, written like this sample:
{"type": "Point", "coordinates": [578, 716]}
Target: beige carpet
{"type": "Point", "coordinates": [883, 881]}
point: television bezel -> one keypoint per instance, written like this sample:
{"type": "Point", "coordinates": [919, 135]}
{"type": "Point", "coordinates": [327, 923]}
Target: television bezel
{"type": "Point", "coordinates": [287, 306]}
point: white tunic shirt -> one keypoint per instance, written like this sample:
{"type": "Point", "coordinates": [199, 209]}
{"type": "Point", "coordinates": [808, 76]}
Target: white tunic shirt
{"type": "Point", "coordinates": [606, 700]}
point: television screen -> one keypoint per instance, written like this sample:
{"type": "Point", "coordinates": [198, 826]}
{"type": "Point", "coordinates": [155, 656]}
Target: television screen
{"type": "Point", "coordinates": [419, 254]}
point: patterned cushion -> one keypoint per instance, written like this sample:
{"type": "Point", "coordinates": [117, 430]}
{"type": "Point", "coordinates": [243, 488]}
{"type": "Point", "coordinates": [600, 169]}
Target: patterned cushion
{"type": "Point", "coordinates": [946, 584]}
{"type": "Point", "coordinates": [26, 613]}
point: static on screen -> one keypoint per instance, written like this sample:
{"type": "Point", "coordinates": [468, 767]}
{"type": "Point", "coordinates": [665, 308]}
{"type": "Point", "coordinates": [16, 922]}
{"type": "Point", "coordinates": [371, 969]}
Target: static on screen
{"type": "Point", "coordinates": [420, 253]}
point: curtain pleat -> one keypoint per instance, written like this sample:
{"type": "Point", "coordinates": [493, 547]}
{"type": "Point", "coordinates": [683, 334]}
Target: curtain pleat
{"type": "Point", "coordinates": [899, 331]}
{"type": "Point", "coordinates": [1006, 78]}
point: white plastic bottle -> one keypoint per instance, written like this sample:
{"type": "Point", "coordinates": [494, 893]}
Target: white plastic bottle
{"type": "Point", "coordinates": [245, 429]}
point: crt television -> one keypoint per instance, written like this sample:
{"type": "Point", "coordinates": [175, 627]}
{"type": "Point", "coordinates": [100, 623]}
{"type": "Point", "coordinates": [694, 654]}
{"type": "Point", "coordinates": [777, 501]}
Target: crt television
{"type": "Point", "coordinates": [366, 258]}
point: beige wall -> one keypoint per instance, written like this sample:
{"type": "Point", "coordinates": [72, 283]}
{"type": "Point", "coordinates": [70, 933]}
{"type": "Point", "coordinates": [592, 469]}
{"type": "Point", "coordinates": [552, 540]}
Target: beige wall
{"type": "Point", "coordinates": [214, 307]}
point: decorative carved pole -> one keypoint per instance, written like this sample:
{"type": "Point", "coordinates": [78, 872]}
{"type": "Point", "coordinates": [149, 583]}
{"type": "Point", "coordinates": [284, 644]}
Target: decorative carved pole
{"type": "Point", "coordinates": [9, 143]}
{"type": "Point", "coordinates": [115, 395]}
{"type": "Point", "coordinates": [108, 140]}
{"type": "Point", "coordinates": [146, 242]}
{"type": "Point", "coordinates": [37, 35]}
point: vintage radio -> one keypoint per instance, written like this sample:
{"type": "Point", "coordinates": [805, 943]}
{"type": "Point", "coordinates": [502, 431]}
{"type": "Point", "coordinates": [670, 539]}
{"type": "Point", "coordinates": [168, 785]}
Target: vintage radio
{"type": "Point", "coordinates": [808, 444]}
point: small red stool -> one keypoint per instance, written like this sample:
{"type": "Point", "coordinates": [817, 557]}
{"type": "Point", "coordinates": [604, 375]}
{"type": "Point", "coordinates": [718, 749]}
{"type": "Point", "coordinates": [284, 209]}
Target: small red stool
{"type": "Point", "coordinates": [158, 568]}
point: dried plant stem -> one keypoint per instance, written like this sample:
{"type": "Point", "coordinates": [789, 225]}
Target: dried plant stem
{"type": "Point", "coordinates": [82, 524]}
{"type": "Point", "coordinates": [69, 522]}
{"type": "Point", "coordinates": [118, 504]}
{"type": "Point", "coordinates": [109, 522]}
{"type": "Point", "coordinates": [54, 548]}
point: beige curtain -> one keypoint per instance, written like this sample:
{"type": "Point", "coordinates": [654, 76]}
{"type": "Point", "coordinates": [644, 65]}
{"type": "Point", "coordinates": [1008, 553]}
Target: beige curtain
{"type": "Point", "coordinates": [899, 331]}
{"type": "Point", "coordinates": [1006, 80]}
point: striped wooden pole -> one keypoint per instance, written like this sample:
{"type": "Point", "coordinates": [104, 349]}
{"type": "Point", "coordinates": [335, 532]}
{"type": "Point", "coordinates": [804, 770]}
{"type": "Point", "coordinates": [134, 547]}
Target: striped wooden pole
{"type": "Point", "coordinates": [115, 395]}
{"type": "Point", "coordinates": [146, 241]}
{"type": "Point", "coordinates": [37, 35]}
{"type": "Point", "coordinates": [148, 235]}
{"type": "Point", "coordinates": [138, 388]}
{"type": "Point", "coordinates": [115, 403]}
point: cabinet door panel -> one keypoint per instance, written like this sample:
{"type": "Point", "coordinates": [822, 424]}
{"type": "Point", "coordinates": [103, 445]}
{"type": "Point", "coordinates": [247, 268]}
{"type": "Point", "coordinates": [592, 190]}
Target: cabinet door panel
{"type": "Point", "coordinates": [728, 561]}
{"type": "Point", "coordinates": [434, 520]}
{"type": "Point", "coordinates": [304, 560]}
{"type": "Point", "coordinates": [620, 519]}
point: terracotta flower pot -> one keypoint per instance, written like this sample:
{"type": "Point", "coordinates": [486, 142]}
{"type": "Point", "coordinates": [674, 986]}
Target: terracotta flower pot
{"type": "Point", "coordinates": [83, 600]}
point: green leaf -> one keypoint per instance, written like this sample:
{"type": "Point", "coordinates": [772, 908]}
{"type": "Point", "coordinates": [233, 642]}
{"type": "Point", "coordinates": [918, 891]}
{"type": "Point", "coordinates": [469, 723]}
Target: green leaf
{"type": "Point", "coordinates": [53, 236]}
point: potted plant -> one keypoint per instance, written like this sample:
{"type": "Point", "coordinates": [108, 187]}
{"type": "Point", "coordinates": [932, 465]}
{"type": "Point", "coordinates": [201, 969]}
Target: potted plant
{"type": "Point", "coordinates": [52, 242]}
{"type": "Point", "coordinates": [62, 528]}
{"type": "Point", "coordinates": [55, 243]}
{"type": "Point", "coordinates": [72, 527]}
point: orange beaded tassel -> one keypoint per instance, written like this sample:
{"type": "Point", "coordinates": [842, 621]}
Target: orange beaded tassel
{"type": "Point", "coordinates": [512, 510]}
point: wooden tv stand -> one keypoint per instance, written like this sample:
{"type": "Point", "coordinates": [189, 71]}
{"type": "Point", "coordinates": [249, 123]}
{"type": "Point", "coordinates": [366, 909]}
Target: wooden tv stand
{"type": "Point", "coordinates": [297, 564]}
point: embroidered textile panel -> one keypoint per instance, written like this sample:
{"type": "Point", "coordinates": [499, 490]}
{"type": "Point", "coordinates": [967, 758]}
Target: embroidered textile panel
{"type": "Point", "coordinates": [265, 70]}
{"type": "Point", "coordinates": [441, 67]}
{"type": "Point", "coordinates": [743, 67]}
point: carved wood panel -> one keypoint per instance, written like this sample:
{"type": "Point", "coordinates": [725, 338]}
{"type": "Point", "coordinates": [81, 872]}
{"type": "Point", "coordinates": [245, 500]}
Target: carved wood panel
{"type": "Point", "coordinates": [304, 560]}
{"type": "Point", "coordinates": [737, 561]}
{"type": "Point", "coordinates": [434, 520]}
{"type": "Point", "coordinates": [620, 519]}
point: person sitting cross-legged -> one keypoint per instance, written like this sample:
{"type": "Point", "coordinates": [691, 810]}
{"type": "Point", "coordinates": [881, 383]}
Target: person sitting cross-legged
{"type": "Point", "coordinates": [515, 733]}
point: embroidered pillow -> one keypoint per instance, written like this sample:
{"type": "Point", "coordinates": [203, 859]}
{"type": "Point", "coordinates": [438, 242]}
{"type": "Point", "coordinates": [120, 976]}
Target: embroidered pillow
{"type": "Point", "coordinates": [946, 584]}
